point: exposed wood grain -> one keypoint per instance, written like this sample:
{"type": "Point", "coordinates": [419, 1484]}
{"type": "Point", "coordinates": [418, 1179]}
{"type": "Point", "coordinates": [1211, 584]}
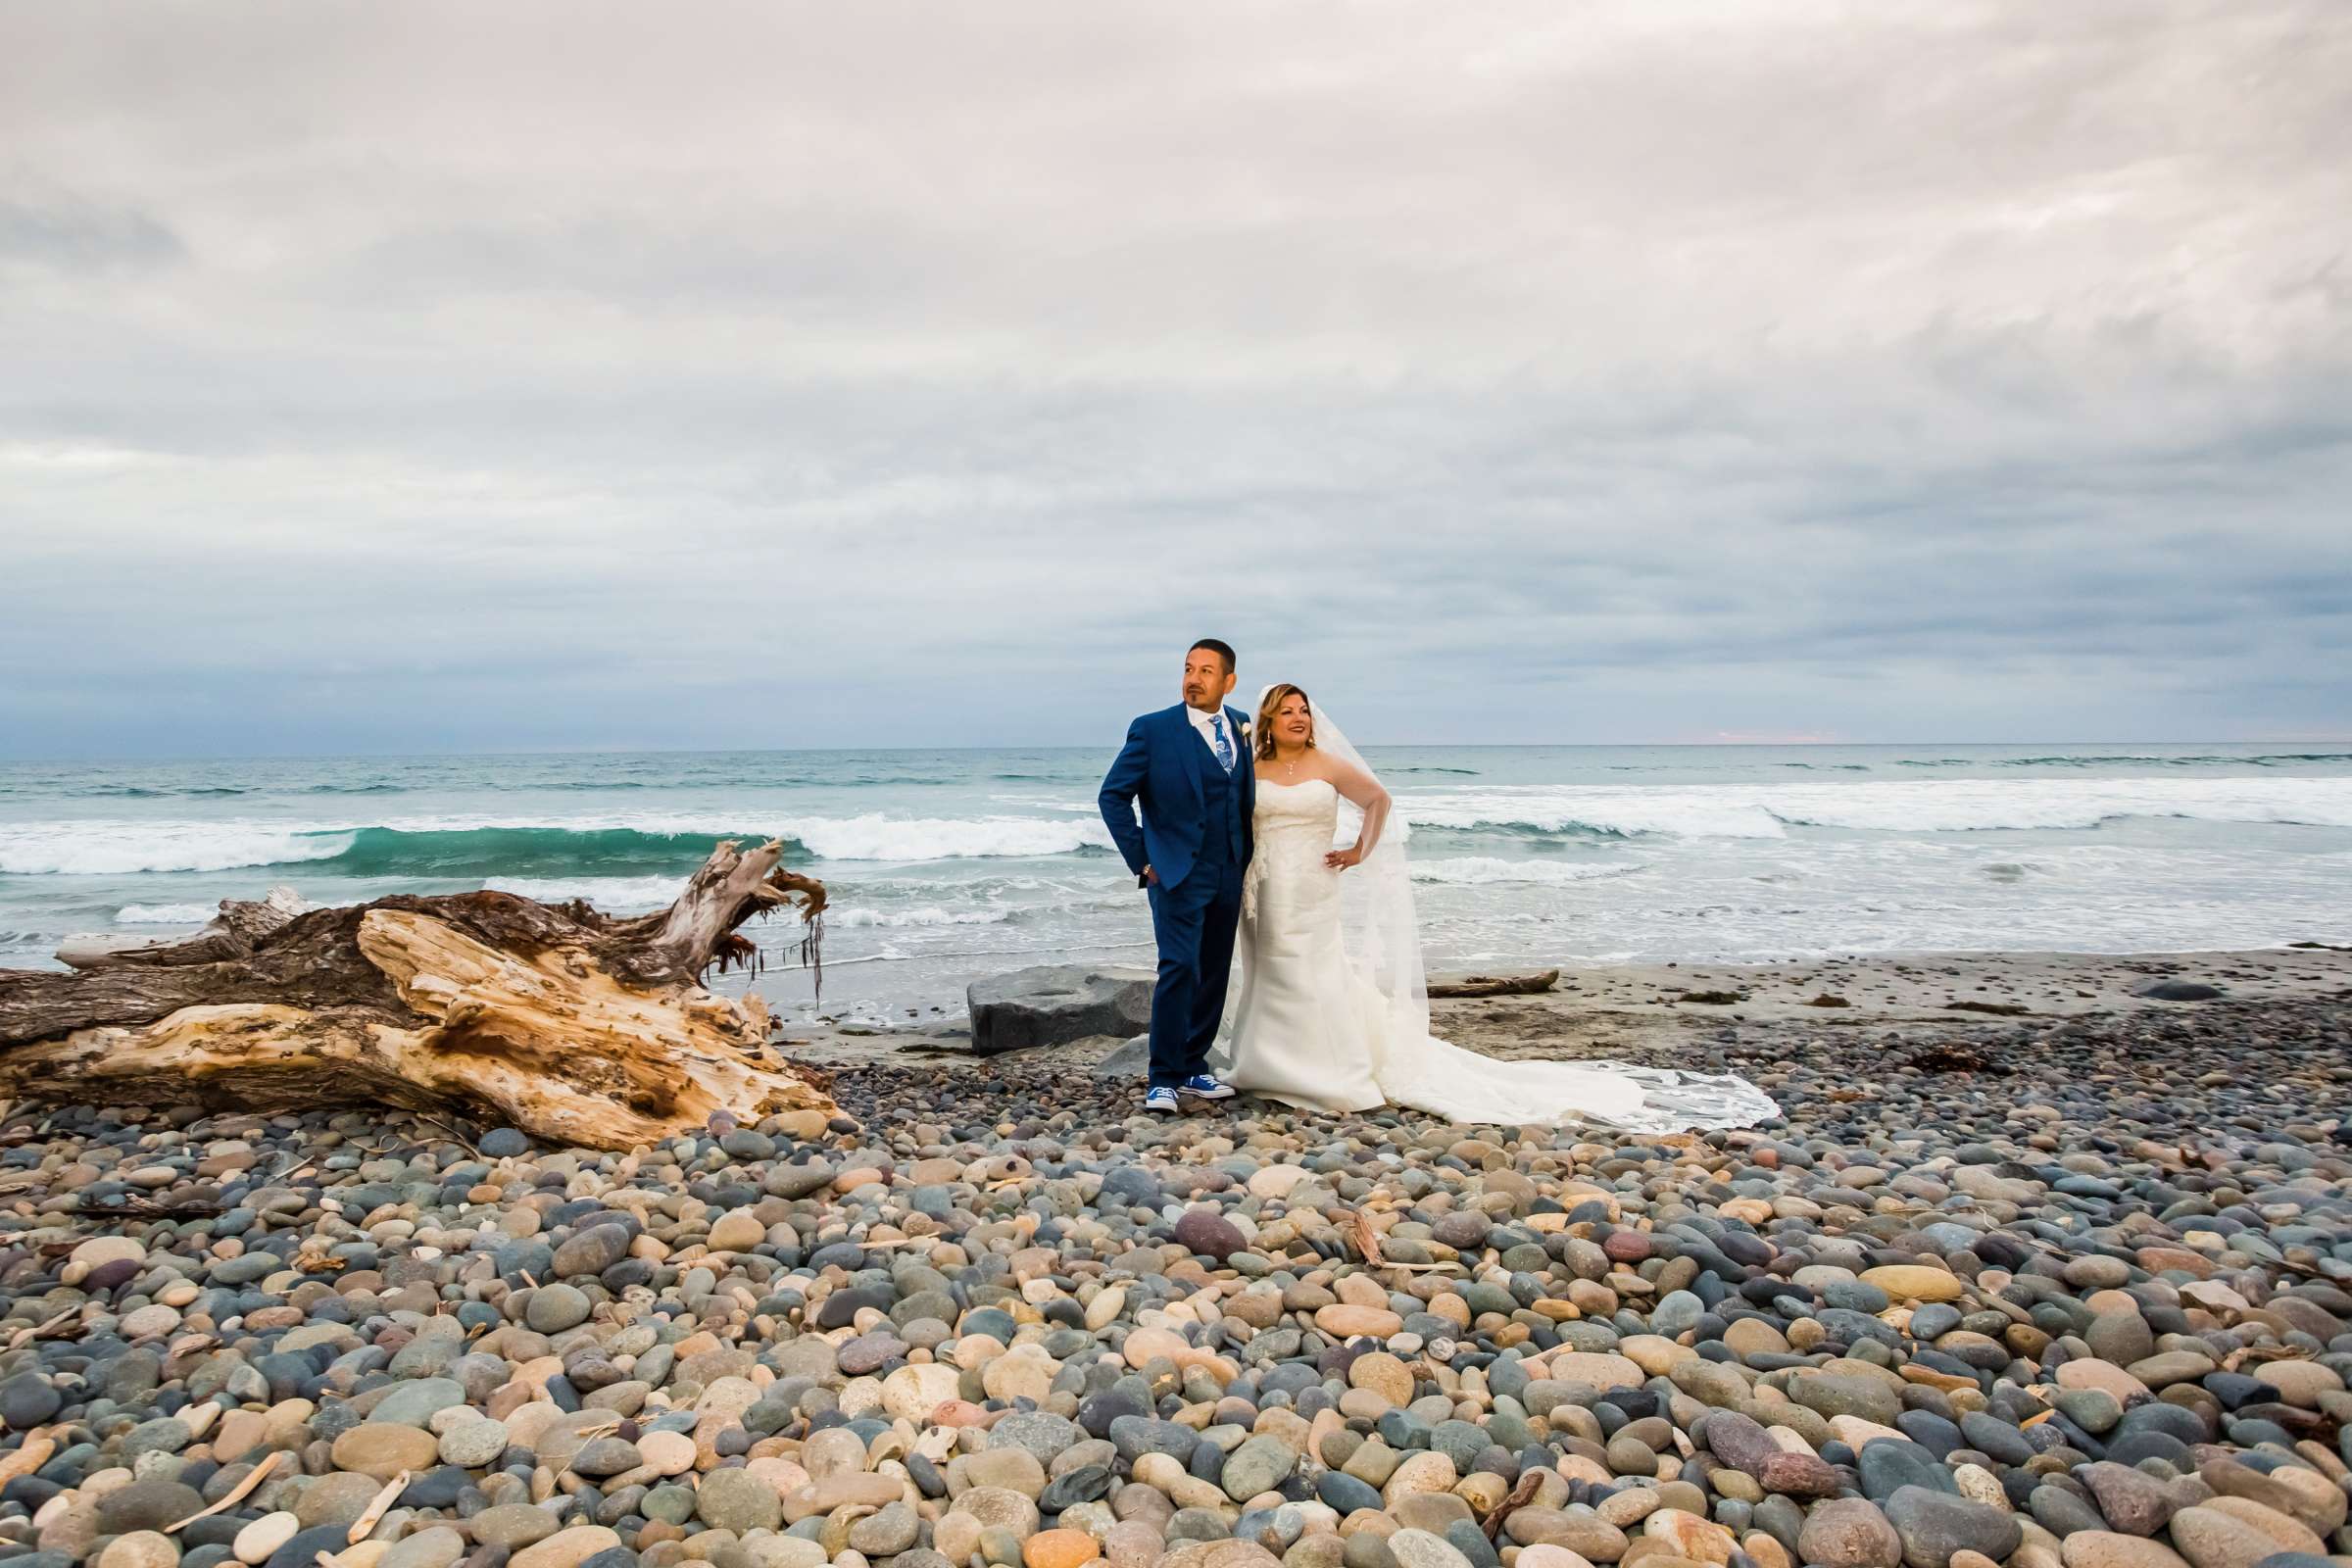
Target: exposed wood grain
{"type": "Point", "coordinates": [562, 1021]}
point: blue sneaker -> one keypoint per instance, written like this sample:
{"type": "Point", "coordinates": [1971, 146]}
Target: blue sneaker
{"type": "Point", "coordinates": [1204, 1086]}
{"type": "Point", "coordinates": [1162, 1099]}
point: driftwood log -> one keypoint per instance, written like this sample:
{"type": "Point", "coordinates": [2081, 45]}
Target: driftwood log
{"type": "Point", "coordinates": [573, 1026]}
{"type": "Point", "coordinates": [1496, 984]}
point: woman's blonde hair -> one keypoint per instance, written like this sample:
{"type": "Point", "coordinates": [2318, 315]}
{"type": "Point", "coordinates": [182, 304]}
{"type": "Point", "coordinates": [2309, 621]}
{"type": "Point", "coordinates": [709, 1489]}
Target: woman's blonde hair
{"type": "Point", "coordinates": [1274, 699]}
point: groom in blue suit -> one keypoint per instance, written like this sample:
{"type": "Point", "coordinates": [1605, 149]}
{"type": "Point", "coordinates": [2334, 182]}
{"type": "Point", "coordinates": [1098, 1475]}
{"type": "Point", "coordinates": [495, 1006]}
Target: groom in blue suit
{"type": "Point", "coordinates": [1190, 765]}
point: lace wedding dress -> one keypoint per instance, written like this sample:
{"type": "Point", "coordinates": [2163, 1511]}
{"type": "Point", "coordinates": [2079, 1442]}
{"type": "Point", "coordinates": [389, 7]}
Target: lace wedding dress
{"type": "Point", "coordinates": [1329, 1008]}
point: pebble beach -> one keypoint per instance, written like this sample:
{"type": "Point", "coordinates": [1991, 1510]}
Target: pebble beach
{"type": "Point", "coordinates": [2058, 1282]}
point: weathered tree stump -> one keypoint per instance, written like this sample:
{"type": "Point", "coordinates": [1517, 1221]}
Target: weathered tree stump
{"type": "Point", "coordinates": [569, 1024]}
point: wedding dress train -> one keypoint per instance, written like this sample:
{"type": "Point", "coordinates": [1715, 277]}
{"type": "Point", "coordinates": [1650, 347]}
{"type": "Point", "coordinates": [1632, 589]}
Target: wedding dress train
{"type": "Point", "coordinates": [1311, 1023]}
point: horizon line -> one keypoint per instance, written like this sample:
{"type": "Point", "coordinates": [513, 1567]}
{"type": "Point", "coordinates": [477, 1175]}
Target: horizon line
{"type": "Point", "coordinates": [808, 751]}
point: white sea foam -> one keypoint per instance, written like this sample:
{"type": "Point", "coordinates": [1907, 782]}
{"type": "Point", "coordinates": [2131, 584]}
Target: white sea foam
{"type": "Point", "coordinates": [101, 848]}
{"type": "Point", "coordinates": [165, 913]}
{"type": "Point", "coordinates": [921, 838]}
{"type": "Point", "coordinates": [632, 895]}
{"type": "Point", "coordinates": [983, 884]}
{"type": "Point", "coordinates": [614, 895]}
{"type": "Point", "coordinates": [1477, 870]}
{"type": "Point", "coordinates": [1937, 806]}
{"type": "Point", "coordinates": [1564, 809]}
{"type": "Point", "coordinates": [1974, 805]}
{"type": "Point", "coordinates": [927, 915]}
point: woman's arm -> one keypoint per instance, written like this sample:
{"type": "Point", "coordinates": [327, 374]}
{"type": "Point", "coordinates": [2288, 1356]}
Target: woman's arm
{"type": "Point", "coordinates": [1362, 791]}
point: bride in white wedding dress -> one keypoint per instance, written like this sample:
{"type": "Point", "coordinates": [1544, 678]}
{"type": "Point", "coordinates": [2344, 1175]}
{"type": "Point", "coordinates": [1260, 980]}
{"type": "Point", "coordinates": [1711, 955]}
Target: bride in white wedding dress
{"type": "Point", "coordinates": [1329, 1008]}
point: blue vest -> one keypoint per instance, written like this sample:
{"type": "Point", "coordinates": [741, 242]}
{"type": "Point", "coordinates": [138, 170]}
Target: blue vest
{"type": "Point", "coordinates": [1221, 800]}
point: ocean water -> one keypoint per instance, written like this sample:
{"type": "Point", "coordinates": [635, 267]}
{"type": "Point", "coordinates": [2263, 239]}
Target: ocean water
{"type": "Point", "coordinates": [949, 864]}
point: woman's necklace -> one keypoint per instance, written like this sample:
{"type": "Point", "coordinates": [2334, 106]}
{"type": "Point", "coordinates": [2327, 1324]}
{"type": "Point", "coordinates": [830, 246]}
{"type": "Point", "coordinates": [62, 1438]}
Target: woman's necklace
{"type": "Point", "coordinates": [1290, 769]}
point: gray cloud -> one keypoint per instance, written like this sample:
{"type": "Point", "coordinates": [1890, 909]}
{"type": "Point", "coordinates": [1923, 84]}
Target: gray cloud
{"type": "Point", "coordinates": [54, 231]}
{"type": "Point", "coordinates": [579, 374]}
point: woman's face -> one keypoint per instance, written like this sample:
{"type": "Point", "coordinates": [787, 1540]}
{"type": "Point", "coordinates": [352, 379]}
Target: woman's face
{"type": "Point", "coordinates": [1293, 721]}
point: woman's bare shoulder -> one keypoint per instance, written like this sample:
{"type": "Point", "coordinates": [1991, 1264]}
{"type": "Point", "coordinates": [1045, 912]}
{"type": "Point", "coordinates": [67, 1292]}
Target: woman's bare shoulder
{"type": "Point", "coordinates": [1335, 770]}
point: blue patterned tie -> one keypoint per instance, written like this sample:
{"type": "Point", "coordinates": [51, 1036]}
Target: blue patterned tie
{"type": "Point", "coordinates": [1224, 747]}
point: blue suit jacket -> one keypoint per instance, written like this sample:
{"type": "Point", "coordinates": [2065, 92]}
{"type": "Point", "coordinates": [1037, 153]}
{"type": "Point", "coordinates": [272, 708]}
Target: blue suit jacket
{"type": "Point", "coordinates": [1162, 764]}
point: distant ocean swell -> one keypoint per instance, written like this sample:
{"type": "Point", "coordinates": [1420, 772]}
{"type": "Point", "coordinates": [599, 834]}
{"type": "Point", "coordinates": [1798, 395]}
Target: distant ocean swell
{"type": "Point", "coordinates": [422, 779]}
{"type": "Point", "coordinates": [2135, 760]}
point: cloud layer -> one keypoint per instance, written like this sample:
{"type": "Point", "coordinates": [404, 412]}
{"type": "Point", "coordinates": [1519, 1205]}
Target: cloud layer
{"type": "Point", "coordinates": [571, 375]}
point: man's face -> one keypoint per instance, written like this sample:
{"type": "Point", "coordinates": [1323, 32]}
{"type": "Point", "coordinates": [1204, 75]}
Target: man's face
{"type": "Point", "coordinates": [1206, 680]}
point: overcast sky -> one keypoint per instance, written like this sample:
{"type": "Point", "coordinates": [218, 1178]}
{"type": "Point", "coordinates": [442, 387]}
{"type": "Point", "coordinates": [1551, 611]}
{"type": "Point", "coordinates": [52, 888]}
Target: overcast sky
{"type": "Point", "coordinates": [398, 377]}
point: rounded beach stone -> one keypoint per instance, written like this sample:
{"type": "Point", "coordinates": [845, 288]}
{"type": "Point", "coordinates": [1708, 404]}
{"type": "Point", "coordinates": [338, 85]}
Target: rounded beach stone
{"type": "Point", "coordinates": [335, 1500]}
{"type": "Point", "coordinates": [592, 1251]}
{"type": "Point", "coordinates": [2107, 1548]}
{"type": "Point", "coordinates": [912, 1393]}
{"type": "Point", "coordinates": [1419, 1548]}
{"type": "Point", "coordinates": [383, 1450]}
{"type": "Point", "coordinates": [258, 1541]}
{"type": "Point", "coordinates": [2283, 1530]}
{"type": "Point", "coordinates": [1588, 1536]}
{"type": "Point", "coordinates": [999, 1507]}
{"type": "Point", "coordinates": [553, 1309]}
{"type": "Point", "coordinates": [1259, 1465]}
{"type": "Point", "coordinates": [566, 1549]}
{"type": "Point", "coordinates": [737, 1500]}
{"type": "Point", "coordinates": [433, 1546]}
{"type": "Point", "coordinates": [303, 1550]}
{"type": "Point", "coordinates": [2212, 1539]}
{"type": "Point", "coordinates": [101, 1251]}
{"type": "Point", "coordinates": [1060, 1549]}
{"type": "Point", "coordinates": [1601, 1370]}
{"type": "Point", "coordinates": [1343, 1321]}
{"type": "Point", "coordinates": [1933, 1525]}
{"type": "Point", "coordinates": [2302, 1383]}
{"type": "Point", "coordinates": [887, 1532]}
{"type": "Point", "coordinates": [511, 1524]}
{"type": "Point", "coordinates": [2132, 1501]}
{"type": "Point", "coordinates": [1915, 1282]}
{"type": "Point", "coordinates": [472, 1444]}
{"type": "Point", "coordinates": [154, 1504]}
{"type": "Point", "coordinates": [140, 1548]}
{"type": "Point", "coordinates": [737, 1231]}
{"type": "Point", "coordinates": [1209, 1233]}
{"type": "Point", "coordinates": [29, 1399]}
{"type": "Point", "coordinates": [666, 1453]}
{"type": "Point", "coordinates": [1384, 1374]}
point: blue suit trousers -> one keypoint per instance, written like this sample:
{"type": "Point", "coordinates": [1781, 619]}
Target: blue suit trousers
{"type": "Point", "coordinates": [1193, 925]}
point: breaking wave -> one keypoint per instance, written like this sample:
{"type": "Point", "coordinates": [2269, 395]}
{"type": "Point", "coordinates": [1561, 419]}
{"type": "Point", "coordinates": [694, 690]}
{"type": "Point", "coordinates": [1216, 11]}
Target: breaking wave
{"type": "Point", "coordinates": [165, 913]}
{"type": "Point", "coordinates": [469, 851]}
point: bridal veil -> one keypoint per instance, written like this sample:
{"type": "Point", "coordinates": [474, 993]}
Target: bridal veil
{"type": "Point", "coordinates": [1381, 934]}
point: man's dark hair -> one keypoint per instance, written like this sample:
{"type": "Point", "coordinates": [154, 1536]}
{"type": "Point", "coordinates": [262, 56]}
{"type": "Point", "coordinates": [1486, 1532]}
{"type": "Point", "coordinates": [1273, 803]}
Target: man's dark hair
{"type": "Point", "coordinates": [1222, 650]}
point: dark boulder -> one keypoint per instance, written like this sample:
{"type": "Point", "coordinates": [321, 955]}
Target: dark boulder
{"type": "Point", "coordinates": [1050, 1004]}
